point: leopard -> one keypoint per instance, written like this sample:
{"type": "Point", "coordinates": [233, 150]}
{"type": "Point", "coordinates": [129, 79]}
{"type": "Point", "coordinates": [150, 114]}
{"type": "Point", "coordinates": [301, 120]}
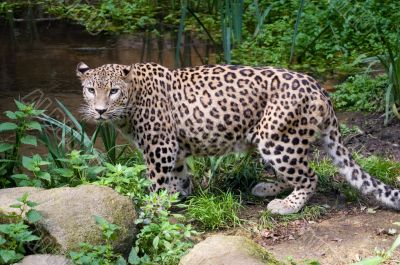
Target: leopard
{"type": "Point", "coordinates": [212, 110]}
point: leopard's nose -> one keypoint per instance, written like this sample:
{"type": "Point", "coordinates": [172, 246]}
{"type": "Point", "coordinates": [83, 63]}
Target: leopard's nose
{"type": "Point", "coordinates": [101, 111]}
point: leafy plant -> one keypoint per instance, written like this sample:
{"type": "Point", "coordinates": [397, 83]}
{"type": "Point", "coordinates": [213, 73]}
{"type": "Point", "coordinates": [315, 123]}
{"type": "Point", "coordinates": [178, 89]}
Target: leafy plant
{"type": "Point", "coordinates": [101, 254]}
{"type": "Point", "coordinates": [78, 168]}
{"type": "Point", "coordinates": [360, 93]}
{"type": "Point", "coordinates": [39, 178]}
{"type": "Point", "coordinates": [125, 180]}
{"type": "Point", "coordinates": [214, 211]}
{"type": "Point", "coordinates": [160, 241]}
{"type": "Point", "coordinates": [391, 63]}
{"type": "Point", "coordinates": [15, 236]}
{"type": "Point", "coordinates": [23, 123]}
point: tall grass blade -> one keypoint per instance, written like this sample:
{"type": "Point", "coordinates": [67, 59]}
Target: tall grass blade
{"type": "Point", "coordinates": [184, 4]}
{"type": "Point", "coordinates": [296, 28]}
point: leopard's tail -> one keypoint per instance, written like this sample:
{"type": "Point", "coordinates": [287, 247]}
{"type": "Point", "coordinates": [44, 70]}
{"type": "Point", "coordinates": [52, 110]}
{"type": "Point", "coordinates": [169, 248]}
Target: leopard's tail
{"type": "Point", "coordinates": [355, 175]}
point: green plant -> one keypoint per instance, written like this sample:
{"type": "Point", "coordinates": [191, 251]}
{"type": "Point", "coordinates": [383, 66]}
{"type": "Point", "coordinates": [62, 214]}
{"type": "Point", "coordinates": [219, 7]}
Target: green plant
{"type": "Point", "coordinates": [383, 169]}
{"type": "Point", "coordinates": [23, 123]}
{"type": "Point", "coordinates": [39, 178]}
{"type": "Point", "coordinates": [128, 181]}
{"type": "Point", "coordinates": [160, 241]}
{"type": "Point", "coordinates": [309, 213]}
{"type": "Point", "coordinates": [78, 168]}
{"type": "Point", "coordinates": [391, 63]}
{"type": "Point", "coordinates": [325, 171]}
{"type": "Point", "coordinates": [15, 236]}
{"type": "Point", "coordinates": [360, 93]}
{"type": "Point", "coordinates": [235, 172]}
{"type": "Point", "coordinates": [346, 130]}
{"type": "Point", "coordinates": [214, 211]}
{"type": "Point", "coordinates": [101, 254]}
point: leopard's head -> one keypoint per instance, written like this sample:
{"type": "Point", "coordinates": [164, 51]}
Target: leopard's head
{"type": "Point", "coordinates": [104, 90]}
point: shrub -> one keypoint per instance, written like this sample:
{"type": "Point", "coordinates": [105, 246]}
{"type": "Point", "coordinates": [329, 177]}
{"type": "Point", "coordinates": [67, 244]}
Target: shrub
{"type": "Point", "coordinates": [360, 93]}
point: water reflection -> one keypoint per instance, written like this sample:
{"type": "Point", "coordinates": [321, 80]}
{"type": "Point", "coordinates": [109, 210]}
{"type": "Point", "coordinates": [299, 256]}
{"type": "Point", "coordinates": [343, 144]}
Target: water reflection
{"type": "Point", "coordinates": [43, 58]}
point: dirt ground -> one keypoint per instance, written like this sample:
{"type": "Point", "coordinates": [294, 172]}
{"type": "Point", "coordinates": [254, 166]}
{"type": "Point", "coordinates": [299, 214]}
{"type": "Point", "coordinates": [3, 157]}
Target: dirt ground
{"type": "Point", "coordinates": [349, 231]}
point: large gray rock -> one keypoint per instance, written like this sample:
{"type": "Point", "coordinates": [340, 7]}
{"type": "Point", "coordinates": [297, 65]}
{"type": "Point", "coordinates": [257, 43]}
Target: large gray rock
{"type": "Point", "coordinates": [44, 260]}
{"type": "Point", "coordinates": [69, 215]}
{"type": "Point", "coordinates": [228, 250]}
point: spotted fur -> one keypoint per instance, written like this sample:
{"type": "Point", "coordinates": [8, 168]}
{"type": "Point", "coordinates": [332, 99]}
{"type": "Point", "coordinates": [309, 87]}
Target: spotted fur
{"type": "Point", "coordinates": [214, 110]}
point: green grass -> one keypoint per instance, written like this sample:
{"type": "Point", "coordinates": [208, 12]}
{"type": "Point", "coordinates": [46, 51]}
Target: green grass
{"type": "Point", "coordinates": [309, 213]}
{"type": "Point", "coordinates": [211, 211]}
{"type": "Point", "coordinates": [381, 168]}
{"type": "Point", "coordinates": [235, 172]}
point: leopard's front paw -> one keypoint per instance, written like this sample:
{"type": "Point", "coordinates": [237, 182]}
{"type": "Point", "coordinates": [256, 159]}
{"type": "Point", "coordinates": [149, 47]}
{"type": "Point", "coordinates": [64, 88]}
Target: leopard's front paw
{"type": "Point", "coordinates": [279, 206]}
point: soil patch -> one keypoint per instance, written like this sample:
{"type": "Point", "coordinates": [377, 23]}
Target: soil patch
{"type": "Point", "coordinates": [374, 138]}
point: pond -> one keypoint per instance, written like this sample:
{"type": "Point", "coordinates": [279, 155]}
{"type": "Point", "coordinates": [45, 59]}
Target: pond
{"type": "Point", "coordinates": [39, 64]}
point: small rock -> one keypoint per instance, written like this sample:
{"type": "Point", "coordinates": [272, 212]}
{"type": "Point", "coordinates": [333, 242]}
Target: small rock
{"type": "Point", "coordinates": [69, 215]}
{"type": "Point", "coordinates": [228, 250]}
{"type": "Point", "coordinates": [44, 260]}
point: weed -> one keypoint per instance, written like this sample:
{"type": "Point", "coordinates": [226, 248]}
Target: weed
{"type": "Point", "coordinates": [101, 254]}
{"type": "Point", "coordinates": [23, 123]}
{"type": "Point", "coordinates": [214, 211]}
{"type": "Point", "coordinates": [160, 241]}
{"type": "Point", "coordinates": [125, 180]}
{"type": "Point", "coordinates": [14, 236]}
{"type": "Point", "coordinates": [78, 168]}
{"type": "Point", "coordinates": [345, 130]}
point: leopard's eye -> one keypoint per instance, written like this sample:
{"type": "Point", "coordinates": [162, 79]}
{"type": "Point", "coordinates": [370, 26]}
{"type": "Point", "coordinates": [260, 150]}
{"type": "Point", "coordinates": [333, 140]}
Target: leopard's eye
{"type": "Point", "coordinates": [113, 91]}
{"type": "Point", "coordinates": [90, 89]}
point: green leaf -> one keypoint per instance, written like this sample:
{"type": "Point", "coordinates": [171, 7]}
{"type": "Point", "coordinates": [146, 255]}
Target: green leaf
{"type": "Point", "coordinates": [5, 147]}
{"type": "Point", "coordinates": [29, 139]}
{"type": "Point", "coordinates": [9, 256]}
{"type": "Point", "coordinates": [27, 162]}
{"type": "Point", "coordinates": [370, 261]}
{"type": "Point", "coordinates": [32, 204]}
{"type": "Point", "coordinates": [120, 261]}
{"type": "Point", "coordinates": [20, 105]}
{"type": "Point", "coordinates": [7, 126]}
{"type": "Point", "coordinates": [65, 172]}
{"type": "Point", "coordinates": [24, 197]}
{"type": "Point", "coordinates": [33, 216]}
{"type": "Point", "coordinates": [44, 175]}
{"type": "Point", "coordinates": [156, 240]}
{"type": "Point", "coordinates": [11, 115]}
{"type": "Point", "coordinates": [20, 177]}
{"type": "Point", "coordinates": [133, 257]}
{"type": "Point", "coordinates": [34, 125]}
{"type": "Point", "coordinates": [2, 240]}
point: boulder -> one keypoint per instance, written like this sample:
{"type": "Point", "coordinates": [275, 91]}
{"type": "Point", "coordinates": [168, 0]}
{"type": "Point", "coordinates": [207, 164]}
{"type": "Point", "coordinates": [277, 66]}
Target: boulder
{"type": "Point", "coordinates": [44, 260]}
{"type": "Point", "coordinates": [228, 250]}
{"type": "Point", "coordinates": [69, 215]}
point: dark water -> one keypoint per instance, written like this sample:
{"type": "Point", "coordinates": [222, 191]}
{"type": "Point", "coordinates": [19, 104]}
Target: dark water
{"type": "Point", "coordinates": [40, 63]}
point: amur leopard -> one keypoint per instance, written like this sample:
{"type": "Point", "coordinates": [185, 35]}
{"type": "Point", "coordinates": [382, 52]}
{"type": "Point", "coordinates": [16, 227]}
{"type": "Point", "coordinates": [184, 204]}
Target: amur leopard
{"type": "Point", "coordinates": [217, 109]}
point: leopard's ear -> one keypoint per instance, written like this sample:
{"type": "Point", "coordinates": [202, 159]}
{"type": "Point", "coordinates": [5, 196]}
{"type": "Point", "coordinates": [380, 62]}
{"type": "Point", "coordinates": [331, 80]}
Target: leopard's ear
{"type": "Point", "coordinates": [81, 69]}
{"type": "Point", "coordinates": [126, 70]}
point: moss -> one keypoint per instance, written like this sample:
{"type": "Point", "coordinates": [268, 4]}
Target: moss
{"type": "Point", "coordinates": [261, 253]}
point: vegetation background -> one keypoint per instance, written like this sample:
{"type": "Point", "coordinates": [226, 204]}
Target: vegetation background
{"type": "Point", "coordinates": [354, 43]}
